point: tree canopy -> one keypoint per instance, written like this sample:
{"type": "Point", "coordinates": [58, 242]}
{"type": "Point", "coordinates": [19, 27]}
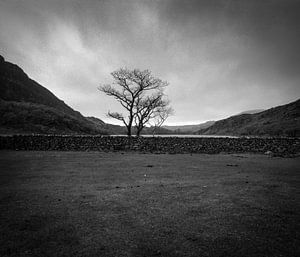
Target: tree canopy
{"type": "Point", "coordinates": [141, 95]}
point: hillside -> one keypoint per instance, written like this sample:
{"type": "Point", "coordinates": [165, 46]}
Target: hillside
{"type": "Point", "coordinates": [192, 129]}
{"type": "Point", "coordinates": [28, 107]}
{"type": "Point", "coordinates": [111, 128]}
{"type": "Point", "coordinates": [189, 129]}
{"type": "Point", "coordinates": [278, 121]}
{"type": "Point", "coordinates": [157, 131]}
{"type": "Point", "coordinates": [251, 111]}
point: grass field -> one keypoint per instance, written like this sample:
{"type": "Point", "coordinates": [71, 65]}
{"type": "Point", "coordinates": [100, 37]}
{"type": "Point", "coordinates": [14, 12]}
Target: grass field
{"type": "Point", "coordinates": [130, 204]}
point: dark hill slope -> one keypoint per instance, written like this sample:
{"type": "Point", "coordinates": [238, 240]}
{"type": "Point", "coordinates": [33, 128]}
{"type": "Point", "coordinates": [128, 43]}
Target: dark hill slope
{"type": "Point", "coordinates": [278, 121]}
{"type": "Point", "coordinates": [28, 107]}
{"type": "Point", "coordinates": [17, 86]}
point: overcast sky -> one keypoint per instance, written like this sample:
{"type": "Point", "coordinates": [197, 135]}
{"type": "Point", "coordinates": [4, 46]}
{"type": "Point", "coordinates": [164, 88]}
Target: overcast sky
{"type": "Point", "coordinates": [220, 57]}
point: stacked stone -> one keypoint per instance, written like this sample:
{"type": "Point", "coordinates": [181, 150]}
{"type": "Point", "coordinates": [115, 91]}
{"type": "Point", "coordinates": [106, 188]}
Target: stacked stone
{"type": "Point", "coordinates": [276, 146]}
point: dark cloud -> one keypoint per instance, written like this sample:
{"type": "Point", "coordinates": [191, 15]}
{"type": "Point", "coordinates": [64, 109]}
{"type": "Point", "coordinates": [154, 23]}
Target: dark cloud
{"type": "Point", "coordinates": [220, 57]}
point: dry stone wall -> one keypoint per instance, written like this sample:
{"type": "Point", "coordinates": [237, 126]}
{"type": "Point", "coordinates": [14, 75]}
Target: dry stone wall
{"type": "Point", "coordinates": [274, 146]}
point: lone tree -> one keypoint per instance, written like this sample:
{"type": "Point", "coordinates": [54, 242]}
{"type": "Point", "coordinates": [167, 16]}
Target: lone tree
{"type": "Point", "coordinates": [141, 95]}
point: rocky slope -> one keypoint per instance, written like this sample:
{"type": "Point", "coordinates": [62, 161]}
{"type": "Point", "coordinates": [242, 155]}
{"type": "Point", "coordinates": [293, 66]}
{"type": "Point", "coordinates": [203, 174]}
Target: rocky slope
{"type": "Point", "coordinates": [28, 107]}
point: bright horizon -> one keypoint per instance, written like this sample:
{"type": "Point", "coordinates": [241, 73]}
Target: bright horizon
{"type": "Point", "coordinates": [220, 57]}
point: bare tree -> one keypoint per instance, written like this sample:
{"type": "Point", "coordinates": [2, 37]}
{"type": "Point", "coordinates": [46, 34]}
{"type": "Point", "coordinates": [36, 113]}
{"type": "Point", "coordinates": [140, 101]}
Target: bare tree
{"type": "Point", "coordinates": [137, 91]}
{"type": "Point", "coordinates": [153, 110]}
{"type": "Point", "coordinates": [161, 114]}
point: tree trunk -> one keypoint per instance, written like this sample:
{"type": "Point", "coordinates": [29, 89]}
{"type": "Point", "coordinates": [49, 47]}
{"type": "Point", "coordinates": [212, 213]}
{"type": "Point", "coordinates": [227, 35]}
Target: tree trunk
{"type": "Point", "coordinates": [130, 122]}
{"type": "Point", "coordinates": [153, 131]}
{"type": "Point", "coordinates": [139, 130]}
{"type": "Point", "coordinates": [129, 131]}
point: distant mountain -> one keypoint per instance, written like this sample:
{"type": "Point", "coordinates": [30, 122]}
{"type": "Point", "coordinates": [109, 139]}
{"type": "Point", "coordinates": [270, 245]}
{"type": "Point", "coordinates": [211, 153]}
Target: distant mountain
{"type": "Point", "coordinates": [251, 111]}
{"type": "Point", "coordinates": [192, 129]}
{"type": "Point", "coordinates": [189, 129]}
{"type": "Point", "coordinates": [121, 130]}
{"type": "Point", "coordinates": [158, 131]}
{"type": "Point", "coordinates": [278, 121]}
{"type": "Point", "coordinates": [28, 107]}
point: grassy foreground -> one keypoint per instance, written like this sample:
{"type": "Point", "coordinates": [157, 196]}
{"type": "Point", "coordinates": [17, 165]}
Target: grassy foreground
{"type": "Point", "coordinates": [115, 204]}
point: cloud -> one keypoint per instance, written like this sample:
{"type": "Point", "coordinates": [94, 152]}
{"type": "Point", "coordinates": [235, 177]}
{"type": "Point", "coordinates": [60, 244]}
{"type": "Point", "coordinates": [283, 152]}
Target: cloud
{"type": "Point", "coordinates": [220, 57]}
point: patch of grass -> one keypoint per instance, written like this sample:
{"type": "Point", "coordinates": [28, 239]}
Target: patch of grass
{"type": "Point", "coordinates": [129, 204]}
